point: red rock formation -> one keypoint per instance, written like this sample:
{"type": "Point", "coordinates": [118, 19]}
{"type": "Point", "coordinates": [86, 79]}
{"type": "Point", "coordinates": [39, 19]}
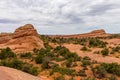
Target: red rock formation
{"type": "Point", "coordinates": [95, 33]}
{"type": "Point", "coordinates": [26, 30]}
{"type": "Point", "coordinates": [24, 39]}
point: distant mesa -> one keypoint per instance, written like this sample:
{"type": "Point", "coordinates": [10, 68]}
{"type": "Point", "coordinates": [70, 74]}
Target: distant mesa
{"type": "Point", "coordinates": [95, 33]}
{"type": "Point", "coordinates": [100, 31]}
{"type": "Point", "coordinates": [24, 39]}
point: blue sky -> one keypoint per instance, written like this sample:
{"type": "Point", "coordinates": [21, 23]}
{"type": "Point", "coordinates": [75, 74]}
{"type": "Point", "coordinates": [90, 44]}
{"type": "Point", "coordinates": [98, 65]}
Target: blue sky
{"type": "Point", "coordinates": [61, 16]}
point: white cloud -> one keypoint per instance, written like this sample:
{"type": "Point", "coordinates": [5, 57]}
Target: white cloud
{"type": "Point", "coordinates": [57, 16]}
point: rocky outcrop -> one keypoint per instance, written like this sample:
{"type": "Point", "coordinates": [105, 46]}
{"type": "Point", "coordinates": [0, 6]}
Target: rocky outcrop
{"type": "Point", "coordinates": [5, 37]}
{"type": "Point", "coordinates": [95, 33]}
{"type": "Point", "coordinates": [13, 74]}
{"type": "Point", "coordinates": [26, 30]}
{"type": "Point", "coordinates": [98, 32]}
{"type": "Point", "coordinates": [24, 39]}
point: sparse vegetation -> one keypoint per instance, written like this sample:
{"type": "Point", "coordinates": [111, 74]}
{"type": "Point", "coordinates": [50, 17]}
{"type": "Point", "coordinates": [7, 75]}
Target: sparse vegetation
{"type": "Point", "coordinates": [105, 51]}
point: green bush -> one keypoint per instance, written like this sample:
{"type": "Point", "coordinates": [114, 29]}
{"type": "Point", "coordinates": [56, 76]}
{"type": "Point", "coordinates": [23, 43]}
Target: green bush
{"type": "Point", "coordinates": [63, 71]}
{"type": "Point", "coordinates": [39, 59]}
{"type": "Point", "coordinates": [14, 63]}
{"type": "Point", "coordinates": [99, 71]}
{"type": "Point", "coordinates": [7, 53]}
{"type": "Point", "coordinates": [26, 55]}
{"type": "Point", "coordinates": [60, 78]}
{"type": "Point", "coordinates": [84, 48]}
{"type": "Point", "coordinates": [105, 51]}
{"type": "Point", "coordinates": [85, 63]}
{"type": "Point", "coordinates": [34, 71]}
{"type": "Point", "coordinates": [113, 68]}
{"type": "Point", "coordinates": [82, 73]}
{"type": "Point", "coordinates": [94, 42]}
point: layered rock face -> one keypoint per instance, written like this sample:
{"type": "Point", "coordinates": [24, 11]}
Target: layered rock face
{"type": "Point", "coordinates": [26, 30]}
{"type": "Point", "coordinates": [24, 39]}
{"type": "Point", "coordinates": [101, 31]}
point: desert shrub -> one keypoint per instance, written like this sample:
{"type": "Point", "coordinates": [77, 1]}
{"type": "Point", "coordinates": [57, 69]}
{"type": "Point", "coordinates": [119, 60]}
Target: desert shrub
{"type": "Point", "coordinates": [60, 78]}
{"type": "Point", "coordinates": [86, 58]}
{"type": "Point", "coordinates": [105, 51]}
{"type": "Point", "coordinates": [116, 49]}
{"type": "Point", "coordinates": [7, 53]}
{"type": "Point", "coordinates": [14, 63]}
{"type": "Point", "coordinates": [74, 65]}
{"type": "Point", "coordinates": [112, 77]}
{"type": "Point", "coordinates": [82, 73]}
{"type": "Point", "coordinates": [26, 55]}
{"type": "Point", "coordinates": [85, 63]}
{"type": "Point", "coordinates": [113, 68]}
{"type": "Point", "coordinates": [99, 71]}
{"type": "Point", "coordinates": [84, 48]}
{"type": "Point", "coordinates": [30, 69]}
{"type": "Point", "coordinates": [34, 71]}
{"type": "Point", "coordinates": [94, 42]}
{"type": "Point", "coordinates": [39, 59]}
{"type": "Point", "coordinates": [68, 63]}
{"type": "Point", "coordinates": [45, 65]}
{"type": "Point", "coordinates": [62, 51]}
{"type": "Point", "coordinates": [63, 71]}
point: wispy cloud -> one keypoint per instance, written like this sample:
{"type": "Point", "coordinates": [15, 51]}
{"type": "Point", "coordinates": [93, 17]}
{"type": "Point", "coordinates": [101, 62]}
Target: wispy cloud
{"type": "Point", "coordinates": [57, 16]}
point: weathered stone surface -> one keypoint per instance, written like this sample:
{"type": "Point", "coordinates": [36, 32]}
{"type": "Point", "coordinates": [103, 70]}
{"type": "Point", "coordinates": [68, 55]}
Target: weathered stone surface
{"type": "Point", "coordinates": [24, 39]}
{"type": "Point", "coordinates": [101, 31]}
{"type": "Point", "coordinates": [26, 30]}
{"type": "Point", "coordinates": [13, 74]}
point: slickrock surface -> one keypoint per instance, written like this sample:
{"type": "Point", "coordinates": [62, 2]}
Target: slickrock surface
{"type": "Point", "coordinates": [13, 74]}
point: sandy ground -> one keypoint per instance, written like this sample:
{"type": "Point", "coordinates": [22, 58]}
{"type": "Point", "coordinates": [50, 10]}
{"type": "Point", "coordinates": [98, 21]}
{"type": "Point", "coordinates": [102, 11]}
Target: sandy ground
{"type": "Point", "coordinates": [96, 57]}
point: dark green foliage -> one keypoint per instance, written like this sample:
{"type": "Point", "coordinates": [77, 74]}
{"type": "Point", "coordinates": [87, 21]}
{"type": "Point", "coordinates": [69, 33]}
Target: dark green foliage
{"type": "Point", "coordinates": [86, 58]}
{"type": "Point", "coordinates": [113, 68]}
{"type": "Point", "coordinates": [94, 42]}
{"type": "Point", "coordinates": [63, 71]}
{"type": "Point", "coordinates": [82, 73]}
{"type": "Point", "coordinates": [7, 53]}
{"type": "Point", "coordinates": [99, 72]}
{"type": "Point", "coordinates": [62, 51]}
{"type": "Point", "coordinates": [86, 61]}
{"type": "Point", "coordinates": [60, 78]}
{"type": "Point", "coordinates": [84, 48]}
{"type": "Point", "coordinates": [30, 69]}
{"type": "Point", "coordinates": [17, 64]}
{"type": "Point", "coordinates": [105, 51]}
{"type": "Point", "coordinates": [14, 63]}
{"type": "Point", "coordinates": [115, 49]}
{"type": "Point", "coordinates": [45, 63]}
{"type": "Point", "coordinates": [26, 55]}
{"type": "Point", "coordinates": [34, 71]}
{"type": "Point", "coordinates": [39, 59]}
